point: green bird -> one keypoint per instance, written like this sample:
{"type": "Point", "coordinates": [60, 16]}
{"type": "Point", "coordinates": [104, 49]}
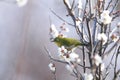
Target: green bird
{"type": "Point", "coordinates": [68, 43]}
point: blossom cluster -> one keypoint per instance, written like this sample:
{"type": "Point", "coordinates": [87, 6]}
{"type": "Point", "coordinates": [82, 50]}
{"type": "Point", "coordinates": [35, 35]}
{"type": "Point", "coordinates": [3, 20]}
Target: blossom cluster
{"type": "Point", "coordinates": [55, 33]}
{"type": "Point", "coordinates": [105, 17]}
{"type": "Point", "coordinates": [64, 54]}
{"type": "Point", "coordinates": [21, 3]}
{"type": "Point", "coordinates": [95, 29]}
{"type": "Point", "coordinates": [71, 57]}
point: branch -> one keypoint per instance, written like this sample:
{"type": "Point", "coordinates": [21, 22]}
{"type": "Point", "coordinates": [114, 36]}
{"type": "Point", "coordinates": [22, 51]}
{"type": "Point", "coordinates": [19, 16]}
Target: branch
{"type": "Point", "coordinates": [116, 59]}
{"type": "Point", "coordinates": [117, 75]}
{"type": "Point", "coordinates": [117, 1]}
{"type": "Point", "coordinates": [88, 67]}
{"type": "Point", "coordinates": [108, 4]}
{"type": "Point", "coordinates": [108, 52]}
{"type": "Point", "coordinates": [72, 7]}
{"type": "Point", "coordinates": [74, 20]}
{"type": "Point", "coordinates": [94, 30]}
{"type": "Point", "coordinates": [61, 18]}
{"type": "Point", "coordinates": [49, 54]}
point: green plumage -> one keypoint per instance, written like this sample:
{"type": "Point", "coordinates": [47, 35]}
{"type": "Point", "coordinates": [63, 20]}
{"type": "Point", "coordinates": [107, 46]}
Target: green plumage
{"type": "Point", "coordinates": [68, 43]}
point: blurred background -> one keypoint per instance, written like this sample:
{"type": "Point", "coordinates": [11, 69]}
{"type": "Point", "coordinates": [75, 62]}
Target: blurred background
{"type": "Point", "coordinates": [23, 34]}
{"type": "Point", "coordinates": [24, 31]}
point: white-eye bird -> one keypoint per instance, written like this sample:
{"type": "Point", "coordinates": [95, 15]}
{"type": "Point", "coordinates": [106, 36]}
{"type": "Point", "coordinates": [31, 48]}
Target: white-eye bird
{"type": "Point", "coordinates": [68, 43]}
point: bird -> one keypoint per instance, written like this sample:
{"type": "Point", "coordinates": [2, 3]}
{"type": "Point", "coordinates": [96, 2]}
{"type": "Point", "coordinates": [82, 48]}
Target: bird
{"type": "Point", "coordinates": [68, 43]}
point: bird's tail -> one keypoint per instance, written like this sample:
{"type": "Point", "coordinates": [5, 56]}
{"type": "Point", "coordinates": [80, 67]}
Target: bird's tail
{"type": "Point", "coordinates": [85, 44]}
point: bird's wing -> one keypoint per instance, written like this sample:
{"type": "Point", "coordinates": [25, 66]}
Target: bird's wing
{"type": "Point", "coordinates": [71, 42]}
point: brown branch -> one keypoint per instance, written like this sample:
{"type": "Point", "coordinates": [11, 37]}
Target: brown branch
{"type": "Point", "coordinates": [70, 12]}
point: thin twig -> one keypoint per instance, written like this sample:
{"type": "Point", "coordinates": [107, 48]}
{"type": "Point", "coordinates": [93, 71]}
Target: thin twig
{"type": "Point", "coordinates": [117, 1]}
{"type": "Point", "coordinates": [61, 18]}
{"type": "Point", "coordinates": [49, 54]}
{"type": "Point", "coordinates": [88, 67]}
{"type": "Point", "coordinates": [109, 4]}
{"type": "Point", "coordinates": [73, 3]}
{"type": "Point", "coordinates": [108, 52]}
{"type": "Point", "coordinates": [116, 59]}
{"type": "Point", "coordinates": [74, 20]}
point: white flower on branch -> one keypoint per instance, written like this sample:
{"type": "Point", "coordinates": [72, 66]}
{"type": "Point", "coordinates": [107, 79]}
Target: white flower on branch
{"type": "Point", "coordinates": [118, 27]}
{"type": "Point", "coordinates": [102, 67]}
{"type": "Point", "coordinates": [21, 3]}
{"type": "Point", "coordinates": [62, 52]}
{"type": "Point", "coordinates": [74, 57]}
{"type": "Point", "coordinates": [97, 59]}
{"type": "Point", "coordinates": [67, 29]}
{"type": "Point", "coordinates": [62, 49]}
{"type": "Point", "coordinates": [102, 37]}
{"type": "Point", "coordinates": [105, 17]}
{"type": "Point", "coordinates": [70, 68]}
{"type": "Point", "coordinates": [79, 4]}
{"type": "Point", "coordinates": [68, 56]}
{"type": "Point", "coordinates": [52, 67]}
{"type": "Point", "coordinates": [53, 31]}
{"type": "Point", "coordinates": [88, 76]}
{"type": "Point", "coordinates": [114, 37]}
{"type": "Point", "coordinates": [118, 24]}
{"type": "Point", "coordinates": [78, 21]}
{"type": "Point", "coordinates": [64, 29]}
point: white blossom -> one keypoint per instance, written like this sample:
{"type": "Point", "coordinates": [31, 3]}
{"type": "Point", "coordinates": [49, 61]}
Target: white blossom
{"type": "Point", "coordinates": [88, 76]}
{"type": "Point", "coordinates": [74, 57]}
{"type": "Point", "coordinates": [62, 49]}
{"type": "Point", "coordinates": [69, 67]}
{"type": "Point", "coordinates": [97, 59]}
{"type": "Point", "coordinates": [21, 3]}
{"type": "Point", "coordinates": [67, 30]}
{"type": "Point", "coordinates": [52, 67]}
{"type": "Point", "coordinates": [78, 60]}
{"type": "Point", "coordinates": [80, 4]}
{"type": "Point", "coordinates": [64, 28]}
{"type": "Point", "coordinates": [103, 37]}
{"type": "Point", "coordinates": [105, 17]}
{"type": "Point", "coordinates": [118, 24]}
{"type": "Point", "coordinates": [102, 67]}
{"type": "Point", "coordinates": [114, 37]}
{"type": "Point", "coordinates": [64, 54]}
{"type": "Point", "coordinates": [68, 56]}
{"type": "Point", "coordinates": [53, 31]}
{"type": "Point", "coordinates": [118, 27]}
{"type": "Point", "coordinates": [78, 21]}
